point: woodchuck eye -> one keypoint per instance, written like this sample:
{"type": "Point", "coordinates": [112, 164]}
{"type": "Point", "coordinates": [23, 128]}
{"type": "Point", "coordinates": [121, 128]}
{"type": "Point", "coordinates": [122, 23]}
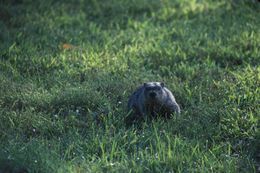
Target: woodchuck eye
{"type": "Point", "coordinates": [152, 94]}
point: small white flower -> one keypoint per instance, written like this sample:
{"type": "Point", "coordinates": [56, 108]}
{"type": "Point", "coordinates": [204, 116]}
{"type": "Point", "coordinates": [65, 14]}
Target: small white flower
{"type": "Point", "coordinates": [112, 164]}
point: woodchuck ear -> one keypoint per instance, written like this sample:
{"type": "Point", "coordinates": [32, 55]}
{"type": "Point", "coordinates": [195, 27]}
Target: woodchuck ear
{"type": "Point", "coordinates": [162, 84]}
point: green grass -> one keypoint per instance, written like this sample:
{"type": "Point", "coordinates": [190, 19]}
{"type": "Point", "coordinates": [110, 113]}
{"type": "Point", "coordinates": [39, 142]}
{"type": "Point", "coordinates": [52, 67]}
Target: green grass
{"type": "Point", "coordinates": [63, 110]}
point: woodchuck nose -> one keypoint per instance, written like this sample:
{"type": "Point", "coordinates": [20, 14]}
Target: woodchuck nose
{"type": "Point", "coordinates": [149, 100]}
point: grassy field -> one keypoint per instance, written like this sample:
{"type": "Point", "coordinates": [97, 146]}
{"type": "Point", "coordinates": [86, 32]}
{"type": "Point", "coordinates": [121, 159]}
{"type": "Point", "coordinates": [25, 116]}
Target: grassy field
{"type": "Point", "coordinates": [67, 69]}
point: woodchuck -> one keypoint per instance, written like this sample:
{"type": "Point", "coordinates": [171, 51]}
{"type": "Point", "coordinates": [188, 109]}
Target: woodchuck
{"type": "Point", "coordinates": [150, 100]}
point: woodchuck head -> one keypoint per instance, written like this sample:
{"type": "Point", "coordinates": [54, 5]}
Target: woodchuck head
{"type": "Point", "coordinates": [153, 92]}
